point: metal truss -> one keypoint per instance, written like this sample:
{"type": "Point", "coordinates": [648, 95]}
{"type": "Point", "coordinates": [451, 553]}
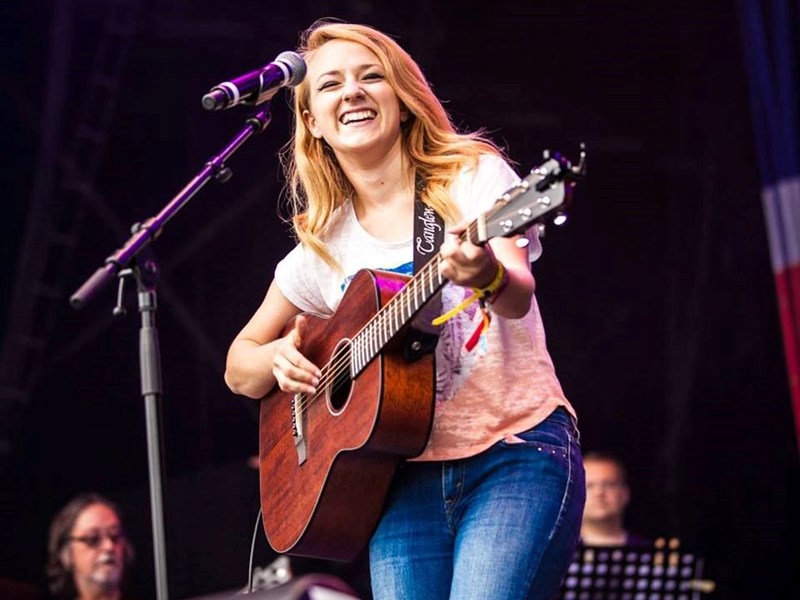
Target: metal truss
{"type": "Point", "coordinates": [64, 179]}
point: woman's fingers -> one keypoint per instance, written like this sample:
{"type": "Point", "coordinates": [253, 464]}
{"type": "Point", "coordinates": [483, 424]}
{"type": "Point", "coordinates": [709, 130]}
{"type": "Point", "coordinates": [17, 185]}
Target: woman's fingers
{"type": "Point", "coordinates": [465, 263]}
{"type": "Point", "coordinates": [293, 371]}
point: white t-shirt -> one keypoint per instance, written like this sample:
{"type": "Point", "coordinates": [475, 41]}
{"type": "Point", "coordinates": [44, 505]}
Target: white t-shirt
{"type": "Point", "coordinates": [505, 385]}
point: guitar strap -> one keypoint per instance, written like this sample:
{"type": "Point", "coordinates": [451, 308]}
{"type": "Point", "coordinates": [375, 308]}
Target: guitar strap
{"type": "Point", "coordinates": [428, 236]}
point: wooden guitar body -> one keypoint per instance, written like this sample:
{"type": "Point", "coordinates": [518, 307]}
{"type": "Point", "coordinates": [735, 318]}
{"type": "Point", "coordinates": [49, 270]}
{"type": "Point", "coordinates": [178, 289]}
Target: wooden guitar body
{"type": "Point", "coordinates": [327, 503]}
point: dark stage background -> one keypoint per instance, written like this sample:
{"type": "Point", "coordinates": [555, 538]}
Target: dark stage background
{"type": "Point", "coordinates": [657, 296]}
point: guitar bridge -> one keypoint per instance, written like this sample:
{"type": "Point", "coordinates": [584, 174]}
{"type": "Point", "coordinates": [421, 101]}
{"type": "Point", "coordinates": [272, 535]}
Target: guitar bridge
{"type": "Point", "coordinates": [297, 428]}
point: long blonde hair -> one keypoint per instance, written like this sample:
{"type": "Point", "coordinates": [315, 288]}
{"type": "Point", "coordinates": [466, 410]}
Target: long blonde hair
{"type": "Point", "coordinates": [315, 183]}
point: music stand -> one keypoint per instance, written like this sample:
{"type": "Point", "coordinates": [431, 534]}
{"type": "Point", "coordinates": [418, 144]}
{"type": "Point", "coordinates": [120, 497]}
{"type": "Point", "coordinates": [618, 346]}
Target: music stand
{"type": "Point", "coordinates": [662, 571]}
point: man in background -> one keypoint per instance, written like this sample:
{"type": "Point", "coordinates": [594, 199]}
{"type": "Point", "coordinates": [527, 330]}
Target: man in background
{"type": "Point", "coordinates": [89, 554]}
{"type": "Point", "coordinates": [607, 498]}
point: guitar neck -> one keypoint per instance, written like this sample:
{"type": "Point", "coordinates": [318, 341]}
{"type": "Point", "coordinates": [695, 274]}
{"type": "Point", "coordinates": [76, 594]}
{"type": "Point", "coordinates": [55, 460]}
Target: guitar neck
{"type": "Point", "coordinates": [395, 314]}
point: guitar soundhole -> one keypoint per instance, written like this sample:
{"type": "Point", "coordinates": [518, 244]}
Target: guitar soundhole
{"type": "Point", "coordinates": [342, 383]}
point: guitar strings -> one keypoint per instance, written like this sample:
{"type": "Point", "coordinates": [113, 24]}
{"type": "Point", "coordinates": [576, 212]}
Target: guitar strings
{"type": "Point", "coordinates": [332, 371]}
{"type": "Point", "coordinates": [365, 337]}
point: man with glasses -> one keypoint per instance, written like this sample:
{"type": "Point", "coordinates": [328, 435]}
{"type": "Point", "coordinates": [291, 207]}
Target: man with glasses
{"type": "Point", "coordinates": [88, 552]}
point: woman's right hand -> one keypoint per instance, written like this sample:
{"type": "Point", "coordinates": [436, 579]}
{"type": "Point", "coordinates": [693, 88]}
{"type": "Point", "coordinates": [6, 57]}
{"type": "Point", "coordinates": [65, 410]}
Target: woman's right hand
{"type": "Point", "coordinates": [293, 372]}
{"type": "Point", "coordinates": [262, 356]}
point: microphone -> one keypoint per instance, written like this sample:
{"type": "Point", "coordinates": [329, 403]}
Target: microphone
{"type": "Point", "coordinates": [255, 87]}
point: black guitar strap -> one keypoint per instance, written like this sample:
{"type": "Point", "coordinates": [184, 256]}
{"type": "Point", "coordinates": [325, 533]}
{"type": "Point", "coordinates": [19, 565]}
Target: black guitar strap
{"type": "Point", "coordinates": [428, 236]}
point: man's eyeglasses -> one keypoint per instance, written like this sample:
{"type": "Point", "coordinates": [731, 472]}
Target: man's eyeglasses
{"type": "Point", "coordinates": [93, 540]}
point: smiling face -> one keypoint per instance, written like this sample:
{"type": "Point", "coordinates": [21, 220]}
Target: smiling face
{"type": "Point", "coordinates": [96, 551]}
{"type": "Point", "coordinates": [351, 105]}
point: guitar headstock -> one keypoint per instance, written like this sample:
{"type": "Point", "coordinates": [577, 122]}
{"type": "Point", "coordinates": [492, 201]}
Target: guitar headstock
{"type": "Point", "coordinates": [545, 192]}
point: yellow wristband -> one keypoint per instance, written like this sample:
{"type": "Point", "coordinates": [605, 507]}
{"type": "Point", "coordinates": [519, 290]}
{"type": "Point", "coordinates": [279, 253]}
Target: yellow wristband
{"type": "Point", "coordinates": [497, 285]}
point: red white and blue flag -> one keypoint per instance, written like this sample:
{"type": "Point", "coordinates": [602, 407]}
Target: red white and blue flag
{"type": "Point", "coordinates": [770, 40]}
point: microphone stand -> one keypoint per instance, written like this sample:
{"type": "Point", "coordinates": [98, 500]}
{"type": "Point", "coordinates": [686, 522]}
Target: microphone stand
{"type": "Point", "coordinates": [144, 269]}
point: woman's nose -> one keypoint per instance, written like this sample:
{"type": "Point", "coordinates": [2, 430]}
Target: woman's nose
{"type": "Point", "coordinates": [352, 89]}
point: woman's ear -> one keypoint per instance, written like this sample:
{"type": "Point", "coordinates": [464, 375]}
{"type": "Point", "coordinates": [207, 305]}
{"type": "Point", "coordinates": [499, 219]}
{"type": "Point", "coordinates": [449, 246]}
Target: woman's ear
{"type": "Point", "coordinates": [405, 113]}
{"type": "Point", "coordinates": [311, 123]}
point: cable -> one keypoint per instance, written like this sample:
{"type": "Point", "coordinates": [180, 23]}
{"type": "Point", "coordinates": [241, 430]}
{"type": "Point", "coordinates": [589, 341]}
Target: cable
{"type": "Point", "coordinates": [252, 551]}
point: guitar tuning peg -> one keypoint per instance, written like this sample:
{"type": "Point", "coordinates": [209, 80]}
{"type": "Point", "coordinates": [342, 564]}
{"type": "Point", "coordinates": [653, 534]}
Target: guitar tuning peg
{"type": "Point", "coordinates": [546, 154]}
{"type": "Point", "coordinates": [560, 219]}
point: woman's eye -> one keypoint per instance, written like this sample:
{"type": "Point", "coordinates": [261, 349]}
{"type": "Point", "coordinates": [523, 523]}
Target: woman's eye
{"type": "Point", "coordinates": [327, 84]}
{"type": "Point", "coordinates": [373, 76]}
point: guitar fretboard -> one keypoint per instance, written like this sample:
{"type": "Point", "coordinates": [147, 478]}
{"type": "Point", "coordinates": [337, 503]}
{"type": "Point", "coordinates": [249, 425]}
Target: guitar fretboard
{"type": "Point", "coordinates": [394, 315]}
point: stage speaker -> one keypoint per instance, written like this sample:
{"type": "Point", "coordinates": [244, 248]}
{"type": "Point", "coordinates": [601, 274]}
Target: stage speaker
{"type": "Point", "coordinates": [314, 586]}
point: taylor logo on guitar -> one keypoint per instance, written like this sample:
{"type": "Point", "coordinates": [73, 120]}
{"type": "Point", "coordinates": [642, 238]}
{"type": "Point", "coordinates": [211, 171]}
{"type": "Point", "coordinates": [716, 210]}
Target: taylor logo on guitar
{"type": "Point", "coordinates": [326, 462]}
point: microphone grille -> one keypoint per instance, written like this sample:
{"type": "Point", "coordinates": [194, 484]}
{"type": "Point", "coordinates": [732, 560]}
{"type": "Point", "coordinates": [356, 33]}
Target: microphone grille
{"type": "Point", "coordinates": [296, 64]}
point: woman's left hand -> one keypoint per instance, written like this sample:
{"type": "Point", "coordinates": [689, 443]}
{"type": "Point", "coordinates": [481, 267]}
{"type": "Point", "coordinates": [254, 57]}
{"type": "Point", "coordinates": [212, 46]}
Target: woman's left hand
{"type": "Point", "coordinates": [465, 263]}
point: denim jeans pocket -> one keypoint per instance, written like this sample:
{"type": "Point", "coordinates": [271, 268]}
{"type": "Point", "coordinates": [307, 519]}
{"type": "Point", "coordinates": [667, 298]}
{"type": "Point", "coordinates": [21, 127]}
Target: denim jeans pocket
{"type": "Point", "coordinates": [554, 434]}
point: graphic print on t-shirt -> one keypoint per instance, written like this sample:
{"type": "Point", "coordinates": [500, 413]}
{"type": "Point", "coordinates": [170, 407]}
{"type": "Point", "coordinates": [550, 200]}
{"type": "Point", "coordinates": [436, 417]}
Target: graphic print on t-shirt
{"type": "Point", "coordinates": [404, 269]}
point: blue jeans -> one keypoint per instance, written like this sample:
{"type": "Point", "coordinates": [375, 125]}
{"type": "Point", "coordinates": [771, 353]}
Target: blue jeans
{"type": "Point", "coordinates": [502, 525]}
